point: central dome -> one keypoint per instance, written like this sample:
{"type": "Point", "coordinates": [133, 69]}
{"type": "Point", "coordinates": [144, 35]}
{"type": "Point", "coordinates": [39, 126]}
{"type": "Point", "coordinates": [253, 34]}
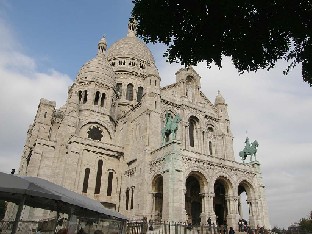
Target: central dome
{"type": "Point", "coordinates": [130, 47]}
{"type": "Point", "coordinates": [131, 55]}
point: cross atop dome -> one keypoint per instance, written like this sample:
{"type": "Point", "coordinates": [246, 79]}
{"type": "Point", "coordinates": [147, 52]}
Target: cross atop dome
{"type": "Point", "coordinates": [132, 27]}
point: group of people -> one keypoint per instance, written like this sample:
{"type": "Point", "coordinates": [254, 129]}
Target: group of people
{"type": "Point", "coordinates": [242, 225]}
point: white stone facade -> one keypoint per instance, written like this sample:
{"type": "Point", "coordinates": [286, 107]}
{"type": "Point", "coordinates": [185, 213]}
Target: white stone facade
{"type": "Point", "coordinates": [106, 143]}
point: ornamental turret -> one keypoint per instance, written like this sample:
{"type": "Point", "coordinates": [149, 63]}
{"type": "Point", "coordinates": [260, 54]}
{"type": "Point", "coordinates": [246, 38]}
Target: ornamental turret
{"type": "Point", "coordinates": [225, 134]}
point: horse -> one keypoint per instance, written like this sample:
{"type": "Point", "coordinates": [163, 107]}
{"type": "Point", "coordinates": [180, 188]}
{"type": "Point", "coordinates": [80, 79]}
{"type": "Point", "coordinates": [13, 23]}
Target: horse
{"type": "Point", "coordinates": [174, 126]}
{"type": "Point", "coordinates": [171, 127]}
{"type": "Point", "coordinates": [249, 150]}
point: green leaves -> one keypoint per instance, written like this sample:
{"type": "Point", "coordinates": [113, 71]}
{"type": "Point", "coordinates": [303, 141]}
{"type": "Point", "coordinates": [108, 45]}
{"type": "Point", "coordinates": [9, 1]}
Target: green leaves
{"type": "Point", "coordinates": [254, 33]}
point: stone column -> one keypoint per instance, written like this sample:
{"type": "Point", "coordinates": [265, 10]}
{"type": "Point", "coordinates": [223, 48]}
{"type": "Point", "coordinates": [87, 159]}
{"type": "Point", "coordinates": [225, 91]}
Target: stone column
{"type": "Point", "coordinates": [148, 115]}
{"type": "Point", "coordinates": [186, 137]}
{"type": "Point", "coordinates": [203, 215]}
{"type": "Point", "coordinates": [232, 207]}
{"type": "Point", "coordinates": [153, 205]}
{"type": "Point", "coordinates": [252, 213]}
{"type": "Point", "coordinates": [210, 209]}
{"type": "Point", "coordinates": [173, 185]}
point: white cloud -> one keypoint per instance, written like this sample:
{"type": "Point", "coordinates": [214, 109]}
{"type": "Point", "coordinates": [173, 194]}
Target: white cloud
{"type": "Point", "coordinates": [22, 86]}
{"type": "Point", "coordinates": [276, 110]}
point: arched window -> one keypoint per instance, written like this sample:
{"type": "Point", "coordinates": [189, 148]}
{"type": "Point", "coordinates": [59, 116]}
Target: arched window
{"type": "Point", "coordinates": [86, 180]}
{"type": "Point", "coordinates": [85, 97]}
{"type": "Point", "coordinates": [129, 95]}
{"type": "Point", "coordinates": [96, 98]}
{"type": "Point", "coordinates": [127, 198]}
{"type": "Point", "coordinates": [98, 177]}
{"type": "Point", "coordinates": [192, 125]}
{"type": "Point", "coordinates": [210, 148]}
{"type": "Point", "coordinates": [80, 96]}
{"type": "Point", "coordinates": [140, 94]}
{"type": "Point", "coordinates": [119, 89]}
{"type": "Point", "coordinates": [210, 129]}
{"type": "Point", "coordinates": [131, 204]}
{"type": "Point", "coordinates": [110, 183]}
{"type": "Point", "coordinates": [102, 99]}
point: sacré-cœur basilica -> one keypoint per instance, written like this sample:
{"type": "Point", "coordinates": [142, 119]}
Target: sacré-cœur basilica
{"type": "Point", "coordinates": [165, 153]}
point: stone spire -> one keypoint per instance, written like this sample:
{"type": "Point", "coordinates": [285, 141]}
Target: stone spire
{"type": "Point", "coordinates": [132, 27]}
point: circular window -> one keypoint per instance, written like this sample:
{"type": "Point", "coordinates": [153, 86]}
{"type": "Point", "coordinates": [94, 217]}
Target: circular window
{"type": "Point", "coordinates": [95, 133]}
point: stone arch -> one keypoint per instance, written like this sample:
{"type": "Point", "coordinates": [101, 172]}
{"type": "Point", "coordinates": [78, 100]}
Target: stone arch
{"type": "Point", "coordinates": [195, 186]}
{"type": "Point", "coordinates": [223, 188]}
{"type": "Point", "coordinates": [130, 92]}
{"type": "Point", "coordinates": [248, 187]}
{"type": "Point", "coordinates": [193, 131]}
{"type": "Point", "coordinates": [157, 192]}
{"type": "Point", "coordinates": [245, 192]}
{"type": "Point", "coordinates": [84, 129]}
{"type": "Point", "coordinates": [193, 171]}
{"type": "Point", "coordinates": [210, 128]}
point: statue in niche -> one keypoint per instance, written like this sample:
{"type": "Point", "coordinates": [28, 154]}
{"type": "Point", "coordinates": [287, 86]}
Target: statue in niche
{"type": "Point", "coordinates": [170, 128]}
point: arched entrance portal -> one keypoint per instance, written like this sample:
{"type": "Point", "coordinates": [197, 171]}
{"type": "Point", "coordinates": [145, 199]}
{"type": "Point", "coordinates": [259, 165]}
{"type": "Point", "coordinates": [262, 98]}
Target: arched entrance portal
{"type": "Point", "coordinates": [158, 197]}
{"type": "Point", "coordinates": [193, 203]}
{"type": "Point", "coordinates": [244, 209]}
{"type": "Point", "coordinates": [219, 202]}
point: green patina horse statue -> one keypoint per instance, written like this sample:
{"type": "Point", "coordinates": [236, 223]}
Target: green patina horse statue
{"type": "Point", "coordinates": [250, 149]}
{"type": "Point", "coordinates": [170, 128]}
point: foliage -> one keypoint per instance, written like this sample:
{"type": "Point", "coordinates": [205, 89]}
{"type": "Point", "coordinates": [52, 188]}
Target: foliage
{"type": "Point", "coordinates": [2, 209]}
{"type": "Point", "coordinates": [254, 33]}
{"type": "Point", "coordinates": [279, 230]}
{"type": "Point", "coordinates": [306, 225]}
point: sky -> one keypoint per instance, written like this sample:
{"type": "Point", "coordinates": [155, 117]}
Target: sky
{"type": "Point", "coordinates": [43, 44]}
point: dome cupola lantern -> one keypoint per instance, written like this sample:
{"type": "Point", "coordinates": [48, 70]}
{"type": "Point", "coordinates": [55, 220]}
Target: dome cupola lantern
{"type": "Point", "coordinates": [102, 46]}
{"type": "Point", "coordinates": [132, 27]}
{"type": "Point", "coordinates": [219, 99]}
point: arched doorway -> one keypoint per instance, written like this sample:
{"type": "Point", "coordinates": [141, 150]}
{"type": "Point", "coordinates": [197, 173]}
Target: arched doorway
{"type": "Point", "coordinates": [158, 197]}
{"type": "Point", "coordinates": [219, 202]}
{"type": "Point", "coordinates": [244, 191]}
{"type": "Point", "coordinates": [193, 203]}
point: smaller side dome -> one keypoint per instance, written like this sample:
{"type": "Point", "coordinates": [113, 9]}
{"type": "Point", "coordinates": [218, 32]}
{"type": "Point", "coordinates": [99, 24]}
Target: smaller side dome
{"type": "Point", "coordinates": [219, 99]}
{"type": "Point", "coordinates": [97, 69]}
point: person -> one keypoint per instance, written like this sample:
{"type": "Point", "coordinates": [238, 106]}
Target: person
{"type": "Point", "coordinates": [209, 221]}
{"type": "Point", "coordinates": [231, 231]}
{"type": "Point", "coordinates": [145, 225]}
{"type": "Point", "coordinates": [189, 225]}
{"type": "Point", "coordinates": [150, 222]}
{"type": "Point", "coordinates": [81, 231]}
{"type": "Point", "coordinates": [240, 225]}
